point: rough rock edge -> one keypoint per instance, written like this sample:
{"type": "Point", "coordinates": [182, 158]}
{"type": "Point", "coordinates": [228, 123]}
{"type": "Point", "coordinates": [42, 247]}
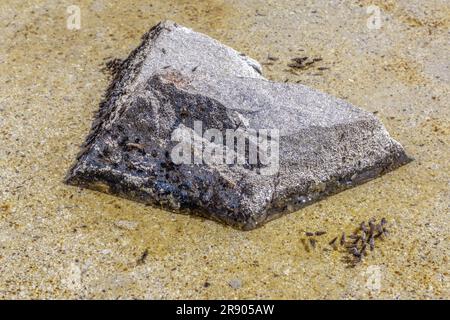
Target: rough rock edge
{"type": "Point", "coordinates": [280, 205]}
{"type": "Point", "coordinates": [276, 208]}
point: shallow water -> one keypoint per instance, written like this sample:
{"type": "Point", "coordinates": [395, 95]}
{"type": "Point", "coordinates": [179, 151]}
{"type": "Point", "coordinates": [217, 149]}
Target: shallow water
{"type": "Point", "coordinates": [60, 241]}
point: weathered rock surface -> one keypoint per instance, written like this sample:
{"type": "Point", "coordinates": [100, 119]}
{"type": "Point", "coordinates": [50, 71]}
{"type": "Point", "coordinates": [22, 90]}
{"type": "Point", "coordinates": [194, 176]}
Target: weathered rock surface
{"type": "Point", "coordinates": [177, 78]}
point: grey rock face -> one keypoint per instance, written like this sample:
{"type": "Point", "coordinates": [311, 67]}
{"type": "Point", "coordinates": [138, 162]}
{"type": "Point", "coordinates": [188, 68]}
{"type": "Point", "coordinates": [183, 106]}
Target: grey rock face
{"type": "Point", "coordinates": [317, 145]}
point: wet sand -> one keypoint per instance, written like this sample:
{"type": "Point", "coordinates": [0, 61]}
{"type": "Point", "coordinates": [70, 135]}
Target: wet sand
{"type": "Point", "coordinates": [58, 241]}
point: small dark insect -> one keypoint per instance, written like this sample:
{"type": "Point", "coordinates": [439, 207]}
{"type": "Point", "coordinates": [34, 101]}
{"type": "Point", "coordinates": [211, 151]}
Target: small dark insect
{"type": "Point", "coordinates": [301, 63]}
{"type": "Point", "coordinates": [309, 234]}
{"type": "Point", "coordinates": [372, 243]}
{"type": "Point", "coordinates": [379, 228]}
{"type": "Point", "coordinates": [371, 226]}
{"type": "Point", "coordinates": [363, 240]}
{"type": "Point", "coordinates": [378, 235]}
{"type": "Point", "coordinates": [363, 226]}
{"type": "Point", "coordinates": [312, 242]}
{"type": "Point", "coordinates": [194, 68]}
{"type": "Point", "coordinates": [342, 242]}
{"type": "Point", "coordinates": [143, 257]}
{"type": "Point", "coordinates": [354, 251]}
{"type": "Point", "coordinates": [299, 60]}
{"type": "Point", "coordinates": [320, 233]}
{"type": "Point", "coordinates": [298, 65]}
{"type": "Point", "coordinates": [363, 249]}
{"type": "Point", "coordinates": [363, 236]}
{"type": "Point", "coordinates": [357, 240]}
{"type": "Point", "coordinates": [333, 241]}
{"type": "Point", "coordinates": [206, 284]}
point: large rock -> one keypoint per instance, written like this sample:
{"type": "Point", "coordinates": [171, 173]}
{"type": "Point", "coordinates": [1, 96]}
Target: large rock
{"type": "Point", "coordinates": [274, 147]}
